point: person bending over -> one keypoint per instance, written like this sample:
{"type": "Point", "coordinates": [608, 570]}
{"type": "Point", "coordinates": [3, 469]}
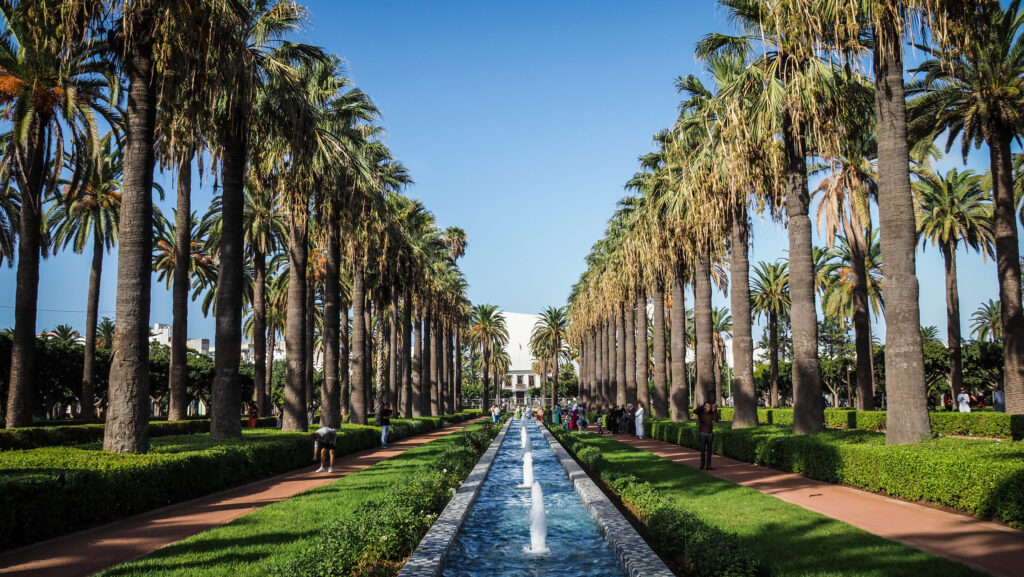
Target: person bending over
{"type": "Point", "coordinates": [325, 439]}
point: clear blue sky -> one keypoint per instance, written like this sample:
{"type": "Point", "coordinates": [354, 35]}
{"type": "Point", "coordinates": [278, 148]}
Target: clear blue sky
{"type": "Point", "coordinates": [519, 122]}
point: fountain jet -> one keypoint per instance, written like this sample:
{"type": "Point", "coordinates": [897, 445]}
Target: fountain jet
{"type": "Point", "coordinates": [538, 522]}
{"type": "Point", "coordinates": [527, 470]}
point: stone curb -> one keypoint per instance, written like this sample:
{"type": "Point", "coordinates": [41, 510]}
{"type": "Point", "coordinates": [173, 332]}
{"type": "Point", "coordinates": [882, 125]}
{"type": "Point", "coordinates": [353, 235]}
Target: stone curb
{"type": "Point", "coordinates": [636, 557]}
{"type": "Point", "coordinates": [428, 558]}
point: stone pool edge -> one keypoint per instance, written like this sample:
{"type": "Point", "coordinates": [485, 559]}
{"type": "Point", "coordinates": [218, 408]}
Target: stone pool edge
{"type": "Point", "coordinates": [636, 557]}
{"type": "Point", "coordinates": [428, 558]}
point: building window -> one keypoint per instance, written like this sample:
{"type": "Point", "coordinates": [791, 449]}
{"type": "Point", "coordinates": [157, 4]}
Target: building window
{"type": "Point", "coordinates": [531, 381]}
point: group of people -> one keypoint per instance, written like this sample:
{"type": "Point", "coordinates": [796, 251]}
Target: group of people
{"type": "Point", "coordinates": [571, 419]}
{"type": "Point", "coordinates": [325, 439]}
{"type": "Point", "coordinates": [964, 401]}
{"type": "Point", "coordinates": [626, 419]}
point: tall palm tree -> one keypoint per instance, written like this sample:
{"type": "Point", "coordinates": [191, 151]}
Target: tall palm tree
{"type": "Point", "coordinates": [973, 92]}
{"type": "Point", "coordinates": [953, 209]}
{"type": "Point", "coordinates": [552, 329]}
{"type": "Point", "coordinates": [89, 216]}
{"type": "Point", "coordinates": [987, 321]}
{"type": "Point", "coordinates": [54, 84]}
{"type": "Point", "coordinates": [488, 330]}
{"type": "Point", "coordinates": [769, 295]}
{"type": "Point", "coordinates": [721, 329]}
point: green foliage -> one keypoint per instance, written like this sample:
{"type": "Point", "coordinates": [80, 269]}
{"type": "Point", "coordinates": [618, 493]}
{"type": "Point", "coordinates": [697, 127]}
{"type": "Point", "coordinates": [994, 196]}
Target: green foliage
{"type": "Point", "coordinates": [376, 539]}
{"type": "Point", "coordinates": [52, 483]}
{"type": "Point", "coordinates": [683, 539]}
{"type": "Point", "coordinates": [984, 478]}
{"type": "Point", "coordinates": [50, 436]}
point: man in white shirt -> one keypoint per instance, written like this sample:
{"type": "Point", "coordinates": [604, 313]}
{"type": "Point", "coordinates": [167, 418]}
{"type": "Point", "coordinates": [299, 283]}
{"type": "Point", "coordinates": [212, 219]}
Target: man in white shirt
{"type": "Point", "coordinates": [964, 402]}
{"type": "Point", "coordinates": [325, 439]}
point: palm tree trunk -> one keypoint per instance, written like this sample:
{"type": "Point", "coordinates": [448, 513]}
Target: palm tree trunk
{"type": "Point", "coordinates": [407, 394]}
{"type": "Point", "coordinates": [809, 407]}
{"type": "Point", "coordinates": [446, 365]}
{"type": "Point", "coordinates": [629, 343]}
{"type": "Point", "coordinates": [773, 362]}
{"type": "Point", "coordinates": [619, 346]}
{"type": "Point", "coordinates": [358, 341]}
{"type": "Point", "coordinates": [19, 400]}
{"type": "Point", "coordinates": [1008, 265]}
{"type": "Point", "coordinates": [269, 384]}
{"type": "Point", "coordinates": [956, 375]}
{"type": "Point", "coordinates": [904, 351]}
{"type": "Point", "coordinates": [660, 404]}
{"type": "Point", "coordinates": [259, 332]}
{"type": "Point", "coordinates": [458, 369]}
{"type": "Point", "coordinates": [428, 364]}
{"type": "Point", "coordinates": [554, 381]}
{"type": "Point", "coordinates": [435, 365]}
{"type": "Point", "coordinates": [703, 331]}
{"type": "Point", "coordinates": [394, 367]}
{"type": "Point", "coordinates": [679, 402]}
{"type": "Point", "coordinates": [611, 378]}
{"type": "Point", "coordinates": [127, 426]}
{"type": "Point", "coordinates": [88, 411]}
{"type": "Point", "coordinates": [226, 390]}
{"type": "Point", "coordinates": [344, 372]}
{"type": "Point", "coordinates": [380, 347]}
{"type": "Point", "coordinates": [642, 355]}
{"type": "Point", "coordinates": [330, 410]}
{"type": "Point", "coordinates": [417, 365]}
{"type": "Point", "coordinates": [597, 342]}
{"type": "Point", "coordinates": [743, 390]}
{"type": "Point", "coordinates": [294, 418]}
{"type": "Point", "coordinates": [861, 315]}
{"type": "Point", "coordinates": [485, 367]}
{"type": "Point", "coordinates": [178, 370]}
{"type": "Point", "coordinates": [307, 362]}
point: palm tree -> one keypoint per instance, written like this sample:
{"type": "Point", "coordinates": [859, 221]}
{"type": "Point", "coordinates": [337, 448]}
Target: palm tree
{"type": "Point", "coordinates": [551, 330]}
{"type": "Point", "coordinates": [721, 329]}
{"type": "Point", "coordinates": [87, 216]}
{"type": "Point", "coordinates": [953, 209]}
{"type": "Point", "coordinates": [974, 93]}
{"type": "Point", "coordinates": [489, 332]}
{"type": "Point", "coordinates": [769, 295]}
{"type": "Point", "coordinates": [987, 321]}
{"type": "Point", "coordinates": [63, 334]}
{"type": "Point", "coordinates": [54, 85]}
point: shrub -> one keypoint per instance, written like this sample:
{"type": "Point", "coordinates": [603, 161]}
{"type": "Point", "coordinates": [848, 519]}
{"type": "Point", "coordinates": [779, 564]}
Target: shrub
{"type": "Point", "coordinates": [377, 538]}
{"type": "Point", "coordinates": [984, 478]}
{"type": "Point", "coordinates": [70, 434]}
{"type": "Point", "coordinates": [591, 458]}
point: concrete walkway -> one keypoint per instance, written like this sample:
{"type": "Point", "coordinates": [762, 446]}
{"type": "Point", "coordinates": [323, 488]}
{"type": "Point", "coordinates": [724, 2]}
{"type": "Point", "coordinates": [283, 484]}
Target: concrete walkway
{"type": "Point", "coordinates": [984, 545]}
{"type": "Point", "coordinates": [96, 549]}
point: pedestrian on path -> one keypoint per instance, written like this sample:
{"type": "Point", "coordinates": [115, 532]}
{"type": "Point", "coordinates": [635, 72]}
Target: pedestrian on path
{"type": "Point", "coordinates": [707, 415]}
{"type": "Point", "coordinates": [384, 420]}
{"type": "Point", "coordinates": [999, 401]}
{"type": "Point", "coordinates": [495, 413]}
{"type": "Point", "coordinates": [325, 439]}
{"type": "Point", "coordinates": [254, 412]}
{"type": "Point", "coordinates": [639, 420]}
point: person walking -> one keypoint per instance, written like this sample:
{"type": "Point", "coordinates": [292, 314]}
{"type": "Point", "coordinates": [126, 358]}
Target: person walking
{"type": "Point", "coordinates": [999, 401]}
{"type": "Point", "coordinates": [495, 413]}
{"type": "Point", "coordinates": [638, 420]}
{"type": "Point", "coordinates": [630, 419]}
{"type": "Point", "coordinates": [707, 415]}
{"type": "Point", "coordinates": [253, 414]}
{"type": "Point", "coordinates": [384, 420]}
{"type": "Point", "coordinates": [325, 440]}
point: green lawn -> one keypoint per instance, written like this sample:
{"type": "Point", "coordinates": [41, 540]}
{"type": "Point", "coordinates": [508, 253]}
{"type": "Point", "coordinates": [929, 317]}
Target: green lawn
{"type": "Point", "coordinates": [789, 540]}
{"type": "Point", "coordinates": [277, 532]}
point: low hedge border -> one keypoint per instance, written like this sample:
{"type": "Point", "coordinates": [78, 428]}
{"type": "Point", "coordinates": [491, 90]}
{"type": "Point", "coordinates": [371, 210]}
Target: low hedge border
{"type": "Point", "coordinates": [377, 539]}
{"type": "Point", "coordinates": [51, 491]}
{"type": "Point", "coordinates": [983, 478]}
{"type": "Point", "coordinates": [70, 434]}
{"type": "Point", "coordinates": [984, 424]}
{"type": "Point", "coordinates": [688, 544]}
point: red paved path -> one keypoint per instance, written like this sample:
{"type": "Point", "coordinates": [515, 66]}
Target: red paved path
{"type": "Point", "coordinates": [96, 549]}
{"type": "Point", "coordinates": [984, 545]}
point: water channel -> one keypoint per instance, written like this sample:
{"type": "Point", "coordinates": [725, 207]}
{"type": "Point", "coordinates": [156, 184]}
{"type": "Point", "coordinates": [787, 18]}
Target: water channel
{"type": "Point", "coordinates": [496, 540]}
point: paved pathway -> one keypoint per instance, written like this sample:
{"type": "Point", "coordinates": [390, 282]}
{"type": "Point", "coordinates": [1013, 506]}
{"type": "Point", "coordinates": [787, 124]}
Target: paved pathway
{"type": "Point", "coordinates": [984, 545]}
{"type": "Point", "coordinates": [93, 550]}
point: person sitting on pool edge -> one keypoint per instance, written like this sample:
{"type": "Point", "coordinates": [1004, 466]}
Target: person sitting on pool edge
{"type": "Point", "coordinates": [325, 439]}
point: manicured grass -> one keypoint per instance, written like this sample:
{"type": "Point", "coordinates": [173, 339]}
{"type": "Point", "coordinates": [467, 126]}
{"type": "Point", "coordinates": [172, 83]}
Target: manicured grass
{"type": "Point", "coordinates": [276, 533]}
{"type": "Point", "coordinates": [789, 540]}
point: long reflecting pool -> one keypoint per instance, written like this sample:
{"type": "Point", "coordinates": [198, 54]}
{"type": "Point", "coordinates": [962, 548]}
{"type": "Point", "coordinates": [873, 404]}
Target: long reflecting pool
{"type": "Point", "coordinates": [494, 540]}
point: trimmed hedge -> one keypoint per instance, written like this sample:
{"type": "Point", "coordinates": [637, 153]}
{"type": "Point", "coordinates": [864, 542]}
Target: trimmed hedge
{"type": "Point", "coordinates": [683, 539]}
{"type": "Point", "coordinates": [55, 490]}
{"type": "Point", "coordinates": [378, 537]}
{"type": "Point", "coordinates": [62, 435]}
{"type": "Point", "coordinates": [985, 424]}
{"type": "Point", "coordinates": [983, 478]}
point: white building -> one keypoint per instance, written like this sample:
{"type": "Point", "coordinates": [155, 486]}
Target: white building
{"type": "Point", "coordinates": [520, 376]}
{"type": "Point", "coordinates": [161, 334]}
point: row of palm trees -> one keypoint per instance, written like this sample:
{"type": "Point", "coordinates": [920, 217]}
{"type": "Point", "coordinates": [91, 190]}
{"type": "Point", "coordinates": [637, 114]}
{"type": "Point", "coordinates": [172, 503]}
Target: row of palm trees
{"type": "Point", "coordinates": [787, 98]}
{"type": "Point", "coordinates": [308, 202]}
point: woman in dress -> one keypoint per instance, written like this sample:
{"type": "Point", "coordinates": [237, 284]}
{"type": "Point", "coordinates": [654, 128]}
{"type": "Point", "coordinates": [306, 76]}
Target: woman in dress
{"type": "Point", "coordinates": [639, 420]}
